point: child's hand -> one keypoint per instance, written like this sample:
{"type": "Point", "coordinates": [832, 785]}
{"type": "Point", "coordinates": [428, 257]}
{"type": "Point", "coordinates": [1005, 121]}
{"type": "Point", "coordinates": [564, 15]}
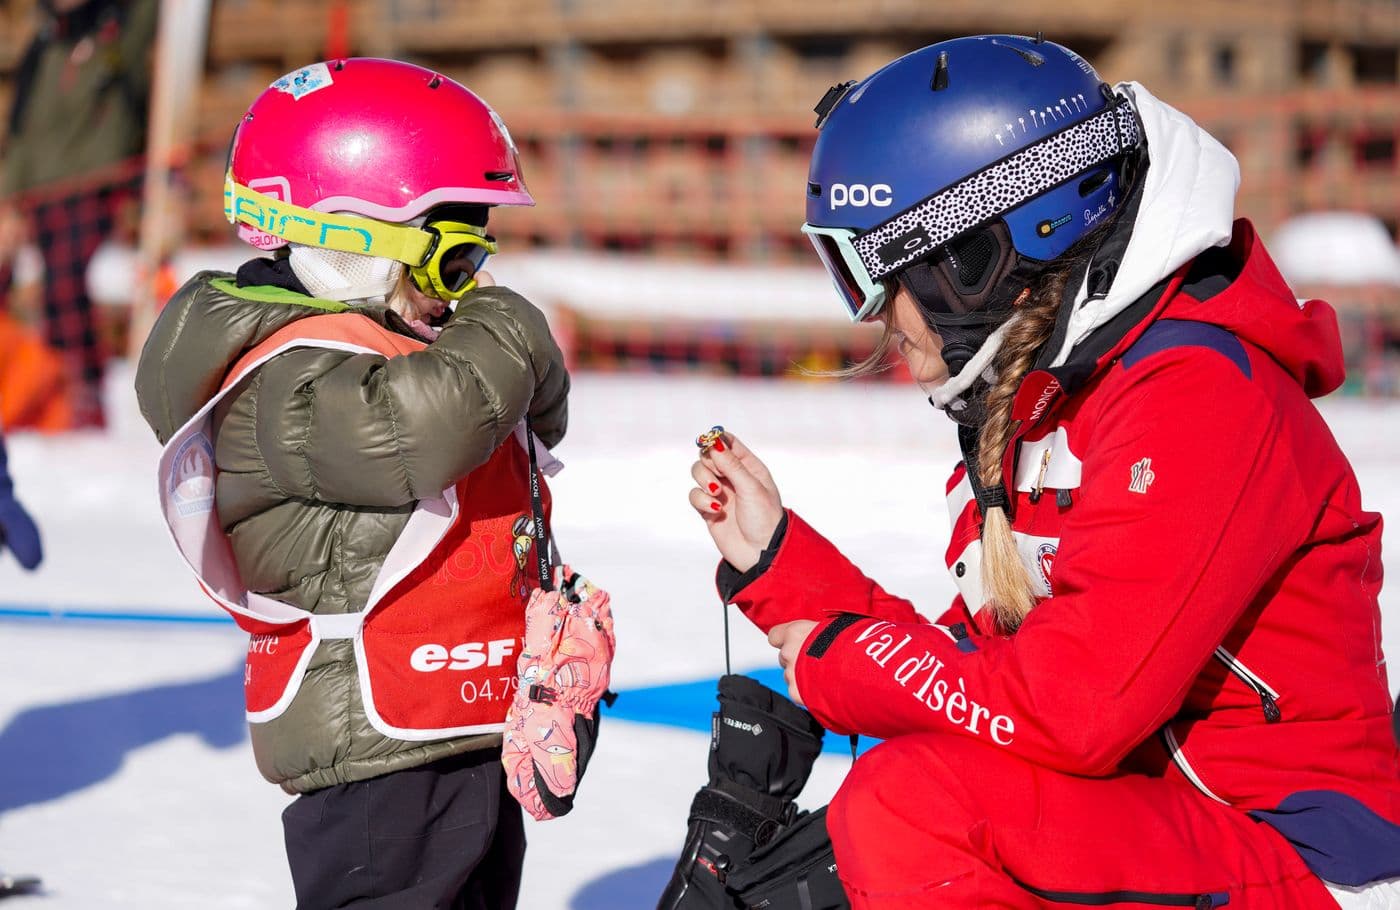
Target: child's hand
{"type": "Point", "coordinates": [736, 496]}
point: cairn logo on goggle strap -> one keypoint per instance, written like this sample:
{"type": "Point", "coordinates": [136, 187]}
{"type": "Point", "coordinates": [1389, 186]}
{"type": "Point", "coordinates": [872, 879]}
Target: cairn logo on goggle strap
{"type": "Point", "coordinates": [858, 195]}
{"type": "Point", "coordinates": [272, 220]}
{"type": "Point", "coordinates": [911, 242]}
{"type": "Point", "coordinates": [755, 729]}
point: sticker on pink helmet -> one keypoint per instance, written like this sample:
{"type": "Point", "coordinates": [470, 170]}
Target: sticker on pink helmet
{"type": "Point", "coordinates": [304, 81]}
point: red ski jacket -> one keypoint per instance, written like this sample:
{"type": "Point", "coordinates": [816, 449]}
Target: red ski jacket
{"type": "Point", "coordinates": [1209, 578]}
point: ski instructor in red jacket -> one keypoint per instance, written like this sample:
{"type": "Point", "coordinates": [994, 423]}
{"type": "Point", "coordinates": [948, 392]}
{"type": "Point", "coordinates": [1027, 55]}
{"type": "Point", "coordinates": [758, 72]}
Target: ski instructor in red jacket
{"type": "Point", "coordinates": [1162, 683]}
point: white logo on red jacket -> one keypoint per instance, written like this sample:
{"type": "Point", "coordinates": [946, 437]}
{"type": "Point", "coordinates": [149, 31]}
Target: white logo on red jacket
{"type": "Point", "coordinates": [1052, 388]}
{"type": "Point", "coordinates": [939, 693]}
{"type": "Point", "coordinates": [1142, 476]}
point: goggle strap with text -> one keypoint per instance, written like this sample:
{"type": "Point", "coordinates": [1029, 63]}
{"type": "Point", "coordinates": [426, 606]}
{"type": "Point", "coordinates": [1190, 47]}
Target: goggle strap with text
{"type": "Point", "coordinates": [996, 189]}
{"type": "Point", "coordinates": [347, 233]}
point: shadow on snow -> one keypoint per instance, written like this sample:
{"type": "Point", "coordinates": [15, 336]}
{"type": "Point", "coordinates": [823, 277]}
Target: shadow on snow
{"type": "Point", "coordinates": [50, 751]}
{"type": "Point", "coordinates": [632, 888]}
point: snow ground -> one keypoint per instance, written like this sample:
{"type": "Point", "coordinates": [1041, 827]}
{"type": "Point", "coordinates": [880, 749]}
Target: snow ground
{"type": "Point", "coordinates": [125, 775]}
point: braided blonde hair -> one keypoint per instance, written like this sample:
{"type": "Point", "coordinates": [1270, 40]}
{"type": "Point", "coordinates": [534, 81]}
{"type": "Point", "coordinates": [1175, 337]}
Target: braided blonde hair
{"type": "Point", "coordinates": [1005, 583]}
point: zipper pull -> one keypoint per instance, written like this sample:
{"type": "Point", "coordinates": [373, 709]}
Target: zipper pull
{"type": "Point", "coordinates": [1039, 488]}
{"type": "Point", "coordinates": [1272, 714]}
{"type": "Point", "coordinates": [959, 632]}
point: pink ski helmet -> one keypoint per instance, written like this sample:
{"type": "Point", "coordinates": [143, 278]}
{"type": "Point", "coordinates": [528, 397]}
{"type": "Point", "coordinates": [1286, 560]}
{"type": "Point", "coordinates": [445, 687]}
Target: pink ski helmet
{"type": "Point", "coordinates": [378, 138]}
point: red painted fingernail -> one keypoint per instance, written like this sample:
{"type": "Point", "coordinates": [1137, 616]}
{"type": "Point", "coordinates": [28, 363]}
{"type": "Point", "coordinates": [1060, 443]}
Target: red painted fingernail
{"type": "Point", "coordinates": [714, 488]}
{"type": "Point", "coordinates": [719, 445]}
{"type": "Point", "coordinates": [714, 506]}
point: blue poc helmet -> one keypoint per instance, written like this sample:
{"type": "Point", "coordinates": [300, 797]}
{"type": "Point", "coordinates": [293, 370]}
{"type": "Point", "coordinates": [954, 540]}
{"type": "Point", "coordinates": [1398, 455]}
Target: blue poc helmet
{"type": "Point", "coordinates": [960, 169]}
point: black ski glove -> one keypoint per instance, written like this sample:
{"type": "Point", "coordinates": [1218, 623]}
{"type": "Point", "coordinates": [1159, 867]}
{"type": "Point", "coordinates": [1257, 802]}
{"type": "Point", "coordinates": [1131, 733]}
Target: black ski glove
{"type": "Point", "coordinates": [761, 740]}
{"type": "Point", "coordinates": [762, 748]}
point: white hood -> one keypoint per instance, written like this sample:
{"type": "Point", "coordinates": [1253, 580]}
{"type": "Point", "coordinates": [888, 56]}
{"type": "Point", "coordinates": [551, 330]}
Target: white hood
{"type": "Point", "coordinates": [1188, 205]}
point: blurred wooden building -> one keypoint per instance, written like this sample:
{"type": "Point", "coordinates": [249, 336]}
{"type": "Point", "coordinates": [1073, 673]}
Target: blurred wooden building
{"type": "Point", "coordinates": [684, 127]}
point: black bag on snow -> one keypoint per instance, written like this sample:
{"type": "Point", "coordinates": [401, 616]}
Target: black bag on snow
{"type": "Point", "coordinates": [794, 871]}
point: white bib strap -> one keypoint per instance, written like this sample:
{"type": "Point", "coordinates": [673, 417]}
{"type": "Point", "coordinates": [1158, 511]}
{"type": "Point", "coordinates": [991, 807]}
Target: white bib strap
{"type": "Point", "coordinates": [337, 625]}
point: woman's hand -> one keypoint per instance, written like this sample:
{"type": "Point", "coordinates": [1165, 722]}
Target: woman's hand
{"type": "Point", "coordinates": [736, 496]}
{"type": "Point", "coordinates": [788, 638]}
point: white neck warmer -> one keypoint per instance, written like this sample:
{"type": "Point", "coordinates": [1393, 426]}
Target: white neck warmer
{"type": "Point", "coordinates": [949, 396]}
{"type": "Point", "coordinates": [348, 277]}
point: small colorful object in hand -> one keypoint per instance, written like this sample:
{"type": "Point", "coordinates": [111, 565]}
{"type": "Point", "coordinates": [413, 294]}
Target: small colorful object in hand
{"type": "Point", "coordinates": [707, 439]}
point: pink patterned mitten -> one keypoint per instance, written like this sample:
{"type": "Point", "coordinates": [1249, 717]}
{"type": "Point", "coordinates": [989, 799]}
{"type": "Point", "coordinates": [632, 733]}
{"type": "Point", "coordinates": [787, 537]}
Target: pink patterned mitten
{"type": "Point", "coordinates": [562, 673]}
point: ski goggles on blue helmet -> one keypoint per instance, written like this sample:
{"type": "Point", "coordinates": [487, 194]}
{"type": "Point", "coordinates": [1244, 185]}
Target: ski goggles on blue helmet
{"type": "Point", "coordinates": [858, 262]}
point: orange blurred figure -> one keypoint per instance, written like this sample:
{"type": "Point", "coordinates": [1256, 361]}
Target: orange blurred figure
{"type": "Point", "coordinates": [34, 392]}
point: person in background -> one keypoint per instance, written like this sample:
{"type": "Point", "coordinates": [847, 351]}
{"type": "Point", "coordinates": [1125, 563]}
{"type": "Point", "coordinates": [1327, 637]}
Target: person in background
{"type": "Point", "coordinates": [348, 423]}
{"type": "Point", "coordinates": [34, 386]}
{"type": "Point", "coordinates": [1162, 682]}
{"type": "Point", "coordinates": [68, 160]}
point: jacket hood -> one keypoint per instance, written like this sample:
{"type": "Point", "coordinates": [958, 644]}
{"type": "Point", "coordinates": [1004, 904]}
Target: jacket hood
{"type": "Point", "coordinates": [1187, 205]}
{"type": "Point", "coordinates": [1186, 257]}
{"type": "Point", "coordinates": [1178, 253]}
{"type": "Point", "coordinates": [1241, 290]}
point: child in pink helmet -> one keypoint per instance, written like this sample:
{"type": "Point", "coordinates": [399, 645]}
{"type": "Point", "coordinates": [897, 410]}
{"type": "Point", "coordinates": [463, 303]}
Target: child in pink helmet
{"type": "Point", "coordinates": [348, 428]}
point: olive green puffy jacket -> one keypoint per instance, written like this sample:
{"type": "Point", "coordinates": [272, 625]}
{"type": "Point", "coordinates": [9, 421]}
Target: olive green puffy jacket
{"type": "Point", "coordinates": [322, 455]}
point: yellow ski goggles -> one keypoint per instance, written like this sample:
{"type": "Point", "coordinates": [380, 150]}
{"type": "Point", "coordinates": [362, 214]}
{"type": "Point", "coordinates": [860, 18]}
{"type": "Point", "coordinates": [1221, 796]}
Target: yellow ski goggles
{"type": "Point", "coordinates": [453, 261]}
{"type": "Point", "coordinates": [443, 257]}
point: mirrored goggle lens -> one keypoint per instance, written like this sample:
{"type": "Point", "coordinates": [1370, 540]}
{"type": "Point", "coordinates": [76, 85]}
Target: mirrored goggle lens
{"type": "Point", "coordinates": [830, 253]}
{"type": "Point", "coordinates": [459, 265]}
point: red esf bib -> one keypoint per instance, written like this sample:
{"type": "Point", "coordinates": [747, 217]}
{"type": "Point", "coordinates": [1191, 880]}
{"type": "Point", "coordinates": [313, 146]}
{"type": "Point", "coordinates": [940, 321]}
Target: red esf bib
{"type": "Point", "coordinates": [437, 641]}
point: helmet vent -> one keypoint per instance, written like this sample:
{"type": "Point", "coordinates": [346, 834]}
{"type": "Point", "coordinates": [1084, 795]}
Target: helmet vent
{"type": "Point", "coordinates": [1029, 56]}
{"type": "Point", "coordinates": [814, 189]}
{"type": "Point", "coordinates": [435, 81]}
{"type": "Point", "coordinates": [1093, 182]}
{"type": "Point", "coordinates": [829, 101]}
{"type": "Point", "coordinates": [500, 176]}
{"type": "Point", "coordinates": [940, 72]}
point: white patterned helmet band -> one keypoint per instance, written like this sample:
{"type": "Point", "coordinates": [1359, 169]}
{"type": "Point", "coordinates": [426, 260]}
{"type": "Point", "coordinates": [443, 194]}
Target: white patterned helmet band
{"type": "Point", "coordinates": [997, 189]}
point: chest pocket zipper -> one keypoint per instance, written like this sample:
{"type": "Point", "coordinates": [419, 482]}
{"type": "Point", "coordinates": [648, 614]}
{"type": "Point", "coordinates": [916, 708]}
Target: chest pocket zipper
{"type": "Point", "coordinates": [1268, 698]}
{"type": "Point", "coordinates": [1198, 901]}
